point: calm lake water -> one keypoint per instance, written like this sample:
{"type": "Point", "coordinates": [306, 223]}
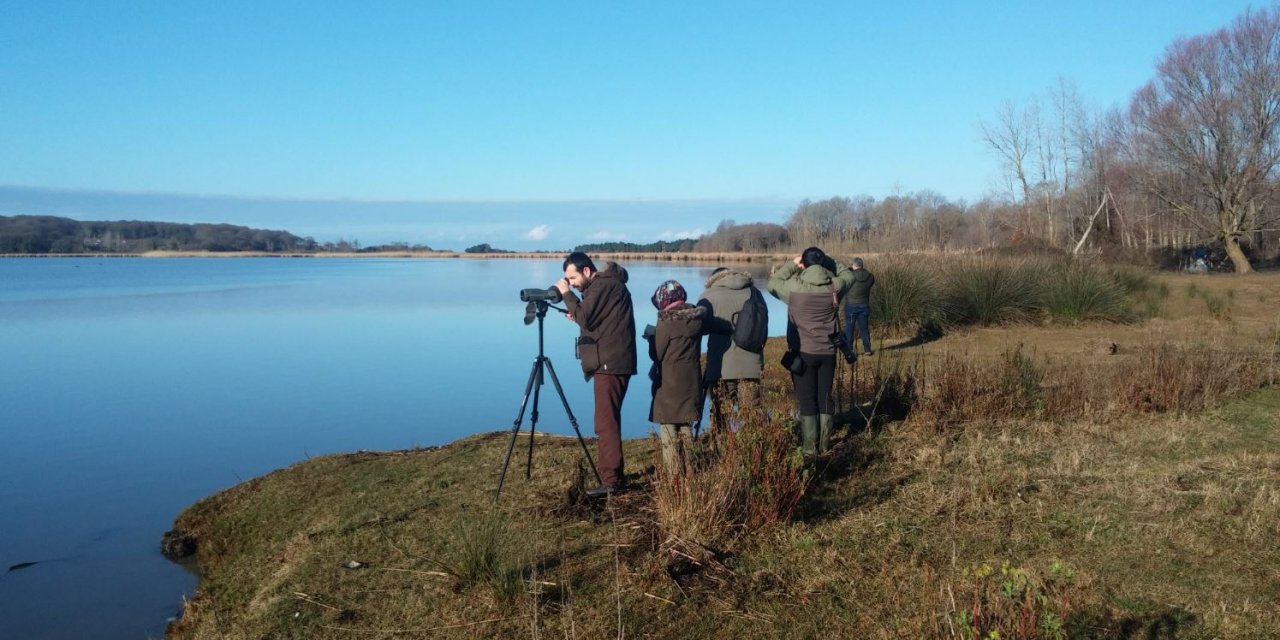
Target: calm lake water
{"type": "Point", "coordinates": [130, 388]}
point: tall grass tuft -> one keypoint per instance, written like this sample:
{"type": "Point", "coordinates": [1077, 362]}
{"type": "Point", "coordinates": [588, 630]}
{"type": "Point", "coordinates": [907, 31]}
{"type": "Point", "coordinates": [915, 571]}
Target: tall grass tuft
{"type": "Point", "coordinates": [486, 552]}
{"type": "Point", "coordinates": [987, 291]}
{"type": "Point", "coordinates": [1078, 293]}
{"type": "Point", "coordinates": [1131, 279]}
{"type": "Point", "coordinates": [907, 296]}
{"type": "Point", "coordinates": [922, 294]}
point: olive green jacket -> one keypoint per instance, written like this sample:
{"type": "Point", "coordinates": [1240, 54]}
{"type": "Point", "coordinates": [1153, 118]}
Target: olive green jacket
{"type": "Point", "coordinates": [811, 309]}
{"type": "Point", "coordinates": [726, 292]}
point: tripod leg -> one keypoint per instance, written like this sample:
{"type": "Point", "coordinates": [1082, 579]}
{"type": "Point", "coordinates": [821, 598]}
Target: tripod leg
{"type": "Point", "coordinates": [515, 428]}
{"type": "Point", "coordinates": [533, 421]}
{"type": "Point", "coordinates": [572, 420]}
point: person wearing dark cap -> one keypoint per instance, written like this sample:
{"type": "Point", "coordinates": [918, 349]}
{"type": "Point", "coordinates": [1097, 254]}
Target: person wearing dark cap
{"type": "Point", "coordinates": [811, 285]}
{"type": "Point", "coordinates": [675, 346]}
{"type": "Point", "coordinates": [857, 307]}
{"type": "Point", "coordinates": [607, 348]}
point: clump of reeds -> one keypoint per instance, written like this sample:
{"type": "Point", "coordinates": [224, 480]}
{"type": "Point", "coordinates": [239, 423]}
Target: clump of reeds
{"type": "Point", "coordinates": [907, 297]}
{"type": "Point", "coordinates": [923, 294]}
{"type": "Point", "coordinates": [1077, 293]}
{"type": "Point", "coordinates": [486, 552]}
{"type": "Point", "coordinates": [988, 291]}
{"type": "Point", "coordinates": [747, 481]}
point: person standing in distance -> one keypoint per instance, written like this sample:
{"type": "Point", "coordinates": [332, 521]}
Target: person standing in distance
{"type": "Point", "coordinates": [857, 307]}
{"type": "Point", "coordinates": [733, 373]}
{"type": "Point", "coordinates": [607, 348]}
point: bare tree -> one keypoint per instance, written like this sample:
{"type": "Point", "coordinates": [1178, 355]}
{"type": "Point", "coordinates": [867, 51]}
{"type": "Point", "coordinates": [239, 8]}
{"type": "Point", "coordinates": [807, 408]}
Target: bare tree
{"type": "Point", "coordinates": [819, 222]}
{"type": "Point", "coordinates": [1210, 121]}
{"type": "Point", "coordinates": [1010, 139]}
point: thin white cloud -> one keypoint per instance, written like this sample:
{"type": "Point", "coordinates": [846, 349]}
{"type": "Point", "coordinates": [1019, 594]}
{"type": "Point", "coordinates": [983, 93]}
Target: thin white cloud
{"type": "Point", "coordinates": [538, 233]}
{"type": "Point", "coordinates": [605, 236]}
{"type": "Point", "coordinates": [681, 235]}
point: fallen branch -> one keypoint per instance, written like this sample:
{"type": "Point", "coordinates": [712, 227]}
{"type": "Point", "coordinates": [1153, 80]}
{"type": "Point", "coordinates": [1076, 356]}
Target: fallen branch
{"type": "Point", "coordinates": [312, 600]}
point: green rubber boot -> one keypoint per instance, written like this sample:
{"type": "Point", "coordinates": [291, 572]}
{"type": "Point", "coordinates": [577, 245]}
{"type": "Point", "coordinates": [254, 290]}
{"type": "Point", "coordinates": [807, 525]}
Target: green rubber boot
{"type": "Point", "coordinates": [826, 423]}
{"type": "Point", "coordinates": [809, 436]}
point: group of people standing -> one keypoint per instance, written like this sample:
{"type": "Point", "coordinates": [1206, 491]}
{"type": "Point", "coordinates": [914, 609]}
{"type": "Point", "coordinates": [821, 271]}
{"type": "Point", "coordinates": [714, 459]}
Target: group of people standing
{"type": "Point", "coordinates": [813, 286]}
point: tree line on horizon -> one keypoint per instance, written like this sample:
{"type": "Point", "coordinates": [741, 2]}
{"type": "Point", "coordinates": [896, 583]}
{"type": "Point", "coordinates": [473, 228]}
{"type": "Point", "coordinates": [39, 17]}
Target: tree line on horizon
{"type": "Point", "coordinates": [50, 234]}
{"type": "Point", "coordinates": [683, 245]}
{"type": "Point", "coordinates": [54, 235]}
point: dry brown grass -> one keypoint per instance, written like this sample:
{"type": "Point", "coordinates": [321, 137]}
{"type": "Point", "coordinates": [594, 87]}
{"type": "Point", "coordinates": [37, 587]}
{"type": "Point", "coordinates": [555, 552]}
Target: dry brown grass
{"type": "Point", "coordinates": [1085, 494]}
{"type": "Point", "coordinates": [745, 483]}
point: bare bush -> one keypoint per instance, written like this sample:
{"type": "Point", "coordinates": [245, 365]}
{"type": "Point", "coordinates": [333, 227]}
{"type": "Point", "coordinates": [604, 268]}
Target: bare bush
{"type": "Point", "coordinates": [749, 483]}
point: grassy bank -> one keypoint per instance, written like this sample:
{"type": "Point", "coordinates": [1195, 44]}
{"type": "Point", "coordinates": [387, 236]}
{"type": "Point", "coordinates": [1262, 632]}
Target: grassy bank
{"type": "Point", "coordinates": [697, 258]}
{"type": "Point", "coordinates": [972, 494]}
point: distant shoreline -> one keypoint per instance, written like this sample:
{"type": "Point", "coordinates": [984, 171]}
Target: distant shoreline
{"type": "Point", "coordinates": [646, 256]}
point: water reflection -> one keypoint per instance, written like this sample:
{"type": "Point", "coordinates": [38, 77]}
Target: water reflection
{"type": "Point", "coordinates": [132, 387]}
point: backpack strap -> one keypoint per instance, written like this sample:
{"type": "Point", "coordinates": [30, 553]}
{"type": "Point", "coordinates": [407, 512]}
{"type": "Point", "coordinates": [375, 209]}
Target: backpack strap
{"type": "Point", "coordinates": [835, 302]}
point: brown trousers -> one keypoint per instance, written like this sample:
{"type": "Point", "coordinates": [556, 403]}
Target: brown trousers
{"type": "Point", "coordinates": [609, 392]}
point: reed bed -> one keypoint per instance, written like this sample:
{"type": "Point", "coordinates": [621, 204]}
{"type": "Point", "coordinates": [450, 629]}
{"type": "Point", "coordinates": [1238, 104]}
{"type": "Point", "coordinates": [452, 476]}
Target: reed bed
{"type": "Point", "coordinates": [931, 293]}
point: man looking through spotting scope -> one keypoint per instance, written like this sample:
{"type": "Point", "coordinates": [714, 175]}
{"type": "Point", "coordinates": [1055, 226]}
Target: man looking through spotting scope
{"type": "Point", "coordinates": [607, 349]}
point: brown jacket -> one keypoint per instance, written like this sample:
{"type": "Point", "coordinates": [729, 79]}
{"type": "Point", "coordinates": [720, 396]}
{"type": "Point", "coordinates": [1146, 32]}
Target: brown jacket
{"type": "Point", "coordinates": [676, 348]}
{"type": "Point", "coordinates": [608, 340]}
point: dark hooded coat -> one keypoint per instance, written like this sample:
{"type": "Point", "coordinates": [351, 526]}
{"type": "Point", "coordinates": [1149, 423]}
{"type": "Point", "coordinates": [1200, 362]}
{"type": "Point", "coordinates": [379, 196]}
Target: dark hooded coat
{"type": "Point", "coordinates": [608, 323]}
{"type": "Point", "coordinates": [676, 350]}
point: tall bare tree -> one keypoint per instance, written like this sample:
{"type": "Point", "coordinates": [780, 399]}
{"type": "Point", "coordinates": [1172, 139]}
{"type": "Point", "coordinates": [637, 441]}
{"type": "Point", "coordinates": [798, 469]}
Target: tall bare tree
{"type": "Point", "coordinates": [1211, 117]}
{"type": "Point", "coordinates": [1010, 137]}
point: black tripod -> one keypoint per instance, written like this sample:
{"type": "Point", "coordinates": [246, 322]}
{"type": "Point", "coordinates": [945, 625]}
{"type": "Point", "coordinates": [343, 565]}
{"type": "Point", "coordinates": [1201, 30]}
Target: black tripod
{"type": "Point", "coordinates": [538, 308]}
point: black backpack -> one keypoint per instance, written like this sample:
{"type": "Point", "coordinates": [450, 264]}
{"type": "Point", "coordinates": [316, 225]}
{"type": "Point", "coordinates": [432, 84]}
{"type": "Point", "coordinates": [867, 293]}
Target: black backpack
{"type": "Point", "coordinates": [751, 324]}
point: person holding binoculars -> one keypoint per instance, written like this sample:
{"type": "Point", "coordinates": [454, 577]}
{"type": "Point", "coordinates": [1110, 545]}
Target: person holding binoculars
{"type": "Point", "coordinates": [812, 285]}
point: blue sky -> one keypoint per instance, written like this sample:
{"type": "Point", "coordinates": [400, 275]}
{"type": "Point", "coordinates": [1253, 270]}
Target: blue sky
{"type": "Point", "coordinates": [452, 122]}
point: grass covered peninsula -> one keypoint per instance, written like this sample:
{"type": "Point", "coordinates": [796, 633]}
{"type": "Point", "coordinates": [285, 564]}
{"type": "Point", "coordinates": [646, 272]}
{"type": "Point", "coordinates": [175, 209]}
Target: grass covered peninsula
{"type": "Point", "coordinates": [1036, 475]}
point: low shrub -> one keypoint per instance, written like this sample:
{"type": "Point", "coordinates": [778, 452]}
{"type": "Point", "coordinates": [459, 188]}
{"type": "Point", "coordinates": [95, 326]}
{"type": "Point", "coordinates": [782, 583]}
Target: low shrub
{"type": "Point", "coordinates": [958, 389]}
{"type": "Point", "coordinates": [744, 482]}
{"type": "Point", "coordinates": [1164, 377]}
